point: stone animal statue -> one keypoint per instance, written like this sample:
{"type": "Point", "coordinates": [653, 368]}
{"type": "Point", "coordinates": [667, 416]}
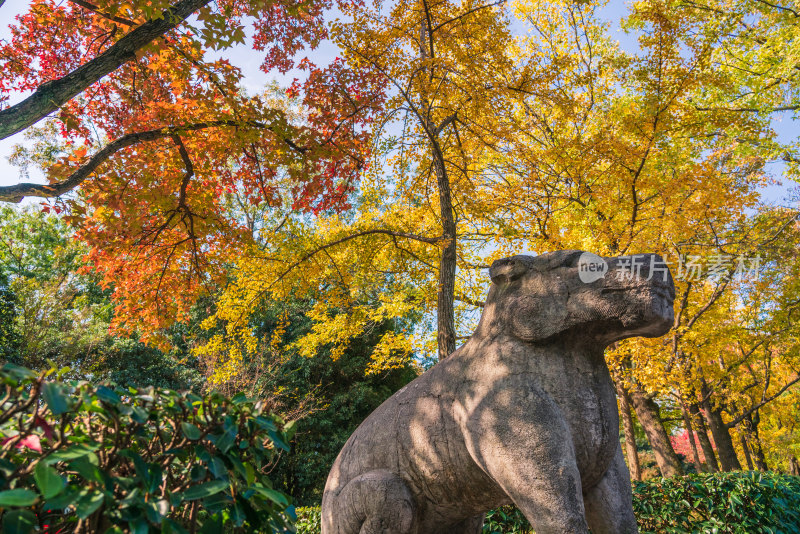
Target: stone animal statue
{"type": "Point", "coordinates": [525, 412]}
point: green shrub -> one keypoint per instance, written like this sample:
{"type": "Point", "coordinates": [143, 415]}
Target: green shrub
{"type": "Point", "coordinates": [740, 503]}
{"type": "Point", "coordinates": [81, 458]}
{"type": "Point", "coordinates": [506, 520]}
{"type": "Point", "coordinates": [309, 520]}
{"type": "Point", "coordinates": [743, 502]}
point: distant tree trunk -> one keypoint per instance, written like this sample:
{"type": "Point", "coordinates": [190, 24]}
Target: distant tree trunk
{"type": "Point", "coordinates": [750, 426]}
{"type": "Point", "coordinates": [630, 436]}
{"type": "Point", "coordinates": [648, 414]}
{"type": "Point", "coordinates": [728, 459]}
{"type": "Point", "coordinates": [748, 460]}
{"type": "Point", "coordinates": [794, 467]}
{"type": "Point", "coordinates": [687, 422]}
{"type": "Point", "coordinates": [702, 436]}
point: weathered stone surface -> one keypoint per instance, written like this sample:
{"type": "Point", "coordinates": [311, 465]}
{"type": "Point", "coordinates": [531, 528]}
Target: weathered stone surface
{"type": "Point", "coordinates": [524, 412]}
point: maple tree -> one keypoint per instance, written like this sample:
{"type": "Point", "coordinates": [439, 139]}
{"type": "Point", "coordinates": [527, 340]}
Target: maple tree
{"type": "Point", "coordinates": [159, 136]}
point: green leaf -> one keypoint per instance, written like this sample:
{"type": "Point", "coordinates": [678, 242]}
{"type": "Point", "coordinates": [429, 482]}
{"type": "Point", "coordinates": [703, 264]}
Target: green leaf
{"type": "Point", "coordinates": [88, 504]}
{"type": "Point", "coordinates": [53, 394]}
{"type": "Point", "coordinates": [226, 441]}
{"type": "Point", "coordinates": [63, 500]}
{"type": "Point", "coordinates": [205, 490]}
{"type": "Point", "coordinates": [17, 497]}
{"type": "Point", "coordinates": [191, 431]}
{"type": "Point", "coordinates": [107, 395]}
{"type": "Point", "coordinates": [87, 468]}
{"type": "Point", "coordinates": [139, 415]}
{"type": "Point", "coordinates": [72, 452]}
{"type": "Point", "coordinates": [22, 372]}
{"type": "Point", "coordinates": [197, 473]}
{"type": "Point", "coordinates": [290, 429]}
{"type": "Point", "coordinates": [19, 522]}
{"type": "Point", "coordinates": [271, 494]}
{"type": "Point", "coordinates": [49, 482]}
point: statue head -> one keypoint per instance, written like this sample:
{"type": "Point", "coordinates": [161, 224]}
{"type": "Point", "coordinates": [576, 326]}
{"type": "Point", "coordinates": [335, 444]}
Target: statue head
{"type": "Point", "coordinates": [572, 292]}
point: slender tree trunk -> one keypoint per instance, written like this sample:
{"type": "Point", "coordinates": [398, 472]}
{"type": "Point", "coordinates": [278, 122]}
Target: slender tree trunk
{"type": "Point", "coordinates": [445, 308]}
{"type": "Point", "coordinates": [728, 459]}
{"type": "Point", "coordinates": [702, 436]}
{"type": "Point", "coordinates": [445, 294]}
{"type": "Point", "coordinates": [750, 426]}
{"type": "Point", "coordinates": [687, 422]}
{"type": "Point", "coordinates": [794, 466]}
{"type": "Point", "coordinates": [748, 460]}
{"type": "Point", "coordinates": [630, 437]}
{"type": "Point", "coordinates": [648, 414]}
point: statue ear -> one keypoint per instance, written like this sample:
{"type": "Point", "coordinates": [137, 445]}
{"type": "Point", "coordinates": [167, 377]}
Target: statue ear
{"type": "Point", "coordinates": [507, 270]}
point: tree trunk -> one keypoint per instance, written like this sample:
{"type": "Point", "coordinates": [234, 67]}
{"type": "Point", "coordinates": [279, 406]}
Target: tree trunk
{"type": "Point", "coordinates": [794, 467]}
{"type": "Point", "coordinates": [748, 460]}
{"type": "Point", "coordinates": [702, 435]}
{"type": "Point", "coordinates": [750, 427]}
{"type": "Point", "coordinates": [445, 293]}
{"type": "Point", "coordinates": [687, 422]}
{"type": "Point", "coordinates": [630, 437]}
{"type": "Point", "coordinates": [648, 414]}
{"type": "Point", "coordinates": [48, 97]}
{"type": "Point", "coordinates": [445, 296]}
{"type": "Point", "coordinates": [722, 437]}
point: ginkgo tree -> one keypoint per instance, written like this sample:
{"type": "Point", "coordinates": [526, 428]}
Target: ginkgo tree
{"type": "Point", "coordinates": [447, 71]}
{"type": "Point", "coordinates": [629, 162]}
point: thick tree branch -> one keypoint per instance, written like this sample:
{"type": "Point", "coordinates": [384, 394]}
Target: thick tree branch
{"type": "Point", "coordinates": [751, 110]}
{"type": "Point", "coordinates": [15, 193]}
{"type": "Point", "coordinates": [444, 124]}
{"type": "Point", "coordinates": [53, 94]}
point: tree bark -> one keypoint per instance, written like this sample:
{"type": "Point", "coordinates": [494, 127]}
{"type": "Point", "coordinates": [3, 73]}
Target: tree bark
{"type": "Point", "coordinates": [687, 422]}
{"type": "Point", "coordinates": [445, 295]}
{"type": "Point", "coordinates": [728, 459]}
{"type": "Point", "coordinates": [748, 460]}
{"type": "Point", "coordinates": [648, 414]}
{"type": "Point", "coordinates": [750, 426]}
{"type": "Point", "coordinates": [794, 467]}
{"type": "Point", "coordinates": [630, 437]}
{"type": "Point", "coordinates": [702, 436]}
{"type": "Point", "coordinates": [15, 193]}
